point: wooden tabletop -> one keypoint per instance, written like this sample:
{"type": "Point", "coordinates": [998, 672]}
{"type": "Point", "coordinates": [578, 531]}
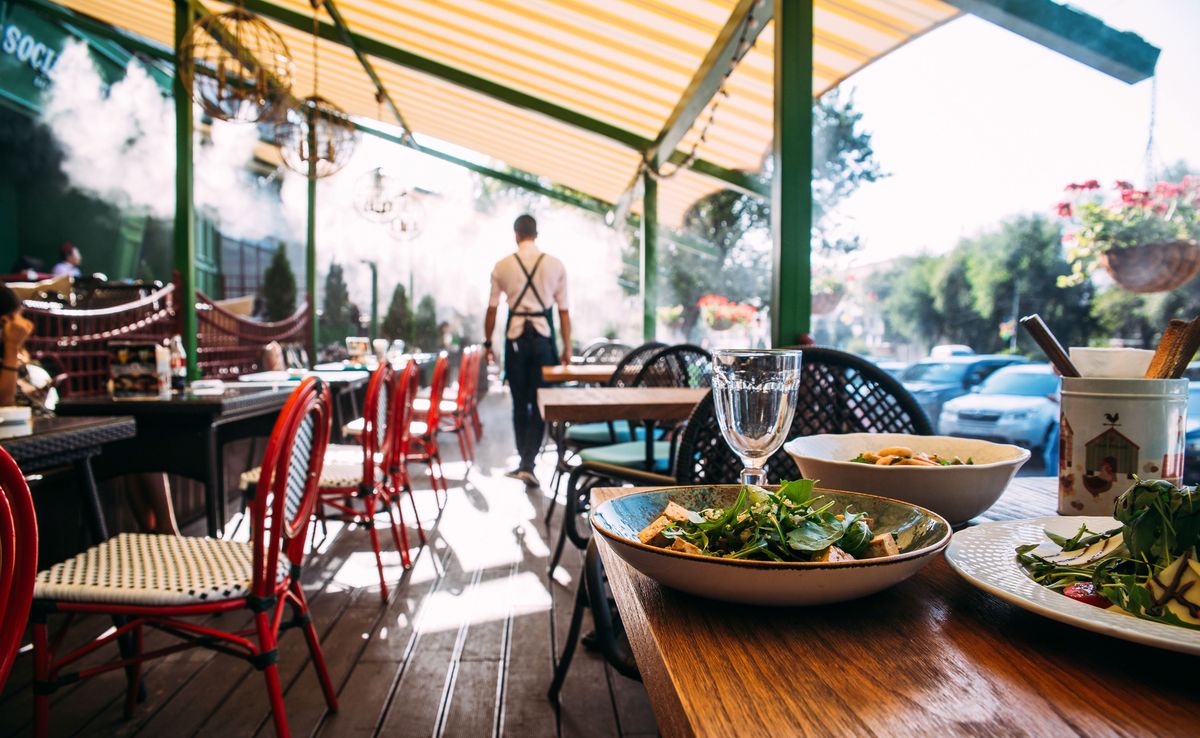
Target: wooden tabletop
{"type": "Point", "coordinates": [588, 404]}
{"type": "Point", "coordinates": [932, 655]}
{"type": "Point", "coordinates": [594, 373]}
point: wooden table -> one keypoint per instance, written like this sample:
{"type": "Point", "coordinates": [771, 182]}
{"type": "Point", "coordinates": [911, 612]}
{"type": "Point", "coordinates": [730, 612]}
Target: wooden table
{"type": "Point", "coordinates": [589, 373]}
{"type": "Point", "coordinates": [933, 655]}
{"type": "Point", "coordinates": [345, 386]}
{"type": "Point", "coordinates": [185, 435]}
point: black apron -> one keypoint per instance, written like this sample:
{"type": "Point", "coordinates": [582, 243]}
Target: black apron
{"type": "Point", "coordinates": [545, 312]}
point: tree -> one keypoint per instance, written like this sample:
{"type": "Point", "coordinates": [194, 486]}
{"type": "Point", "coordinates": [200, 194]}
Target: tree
{"type": "Point", "coordinates": [425, 325]}
{"type": "Point", "coordinates": [279, 287]}
{"type": "Point", "coordinates": [738, 225]}
{"type": "Point", "coordinates": [398, 321]}
{"type": "Point", "coordinates": [340, 317]}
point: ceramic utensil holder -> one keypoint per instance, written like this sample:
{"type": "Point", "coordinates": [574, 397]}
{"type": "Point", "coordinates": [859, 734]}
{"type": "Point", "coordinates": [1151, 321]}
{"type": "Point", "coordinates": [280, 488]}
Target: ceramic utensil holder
{"type": "Point", "coordinates": [1112, 430]}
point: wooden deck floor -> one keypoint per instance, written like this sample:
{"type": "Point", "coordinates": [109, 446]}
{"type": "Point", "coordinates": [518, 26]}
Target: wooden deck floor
{"type": "Point", "coordinates": [464, 646]}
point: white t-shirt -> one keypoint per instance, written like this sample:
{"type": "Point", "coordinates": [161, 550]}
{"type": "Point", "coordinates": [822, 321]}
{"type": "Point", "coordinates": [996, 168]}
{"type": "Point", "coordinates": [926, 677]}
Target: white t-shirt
{"type": "Point", "coordinates": [550, 281]}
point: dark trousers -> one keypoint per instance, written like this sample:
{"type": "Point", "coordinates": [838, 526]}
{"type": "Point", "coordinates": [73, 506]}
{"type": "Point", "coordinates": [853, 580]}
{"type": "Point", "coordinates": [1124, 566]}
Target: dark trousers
{"type": "Point", "coordinates": [524, 358]}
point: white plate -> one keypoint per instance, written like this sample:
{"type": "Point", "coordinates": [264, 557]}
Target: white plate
{"type": "Point", "coordinates": [985, 556]}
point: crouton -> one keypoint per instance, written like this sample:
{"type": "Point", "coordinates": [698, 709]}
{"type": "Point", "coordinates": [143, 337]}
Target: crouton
{"type": "Point", "coordinates": [652, 535]}
{"type": "Point", "coordinates": [881, 545]}
{"type": "Point", "coordinates": [675, 512]}
{"type": "Point", "coordinates": [681, 545]}
{"type": "Point", "coordinates": [868, 520]}
{"type": "Point", "coordinates": [833, 553]}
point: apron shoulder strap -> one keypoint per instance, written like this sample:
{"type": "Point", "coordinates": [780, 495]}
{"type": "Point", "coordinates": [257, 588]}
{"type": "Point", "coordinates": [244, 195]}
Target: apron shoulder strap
{"type": "Point", "coordinates": [529, 286]}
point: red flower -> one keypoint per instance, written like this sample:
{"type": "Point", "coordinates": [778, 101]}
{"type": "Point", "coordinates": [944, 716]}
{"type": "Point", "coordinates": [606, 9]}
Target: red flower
{"type": "Point", "coordinates": [1123, 185]}
{"type": "Point", "coordinates": [1064, 209]}
{"type": "Point", "coordinates": [1072, 187]}
{"type": "Point", "coordinates": [1091, 184]}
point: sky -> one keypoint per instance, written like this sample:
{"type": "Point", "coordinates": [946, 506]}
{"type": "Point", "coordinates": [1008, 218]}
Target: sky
{"type": "Point", "coordinates": [975, 123]}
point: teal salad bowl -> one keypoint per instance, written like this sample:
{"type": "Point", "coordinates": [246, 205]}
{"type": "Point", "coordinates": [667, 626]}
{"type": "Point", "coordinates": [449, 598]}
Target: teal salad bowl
{"type": "Point", "coordinates": [919, 533]}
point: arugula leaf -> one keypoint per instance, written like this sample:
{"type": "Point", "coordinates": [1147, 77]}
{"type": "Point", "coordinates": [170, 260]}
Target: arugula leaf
{"type": "Point", "coordinates": [816, 534]}
{"type": "Point", "coordinates": [799, 491]}
{"type": "Point", "coordinates": [861, 459]}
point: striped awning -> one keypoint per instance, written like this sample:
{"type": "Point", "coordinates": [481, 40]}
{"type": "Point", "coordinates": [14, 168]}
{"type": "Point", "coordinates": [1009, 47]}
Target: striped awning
{"type": "Point", "coordinates": [624, 63]}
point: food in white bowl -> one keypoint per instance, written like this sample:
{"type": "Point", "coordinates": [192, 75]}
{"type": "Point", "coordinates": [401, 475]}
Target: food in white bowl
{"type": "Point", "coordinates": [736, 553]}
{"type": "Point", "coordinates": [958, 492]}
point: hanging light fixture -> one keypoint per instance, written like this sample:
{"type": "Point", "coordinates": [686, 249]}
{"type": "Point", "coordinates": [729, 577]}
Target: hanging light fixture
{"type": "Point", "coordinates": [316, 138]}
{"type": "Point", "coordinates": [376, 194]}
{"type": "Point", "coordinates": [238, 68]}
{"type": "Point", "coordinates": [408, 219]}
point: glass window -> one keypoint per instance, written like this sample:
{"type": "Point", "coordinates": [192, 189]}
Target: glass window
{"type": "Point", "coordinates": [1028, 384]}
{"type": "Point", "coordinates": [935, 372]}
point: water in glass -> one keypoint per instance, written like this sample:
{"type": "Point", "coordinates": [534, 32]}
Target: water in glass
{"type": "Point", "coordinates": [754, 392]}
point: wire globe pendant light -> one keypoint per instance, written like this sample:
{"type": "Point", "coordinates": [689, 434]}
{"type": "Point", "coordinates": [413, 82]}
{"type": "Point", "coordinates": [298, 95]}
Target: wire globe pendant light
{"type": "Point", "coordinates": [316, 138]}
{"type": "Point", "coordinates": [238, 68]}
{"type": "Point", "coordinates": [408, 219]}
{"type": "Point", "coordinates": [376, 194]}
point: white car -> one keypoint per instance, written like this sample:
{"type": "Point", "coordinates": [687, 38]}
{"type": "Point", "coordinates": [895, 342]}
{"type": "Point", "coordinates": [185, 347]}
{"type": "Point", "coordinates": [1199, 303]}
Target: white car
{"type": "Point", "coordinates": [1018, 404]}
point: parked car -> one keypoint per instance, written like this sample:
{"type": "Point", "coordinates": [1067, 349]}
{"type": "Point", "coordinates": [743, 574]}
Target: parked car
{"type": "Point", "coordinates": [1191, 456]}
{"type": "Point", "coordinates": [943, 350]}
{"type": "Point", "coordinates": [933, 382]}
{"type": "Point", "coordinates": [1018, 404]}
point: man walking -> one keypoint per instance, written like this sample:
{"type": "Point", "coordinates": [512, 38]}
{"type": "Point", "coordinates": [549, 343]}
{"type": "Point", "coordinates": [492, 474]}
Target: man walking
{"type": "Point", "coordinates": [532, 283]}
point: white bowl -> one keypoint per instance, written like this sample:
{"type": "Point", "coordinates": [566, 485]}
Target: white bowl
{"type": "Point", "coordinates": [957, 493]}
{"type": "Point", "coordinates": [919, 533]}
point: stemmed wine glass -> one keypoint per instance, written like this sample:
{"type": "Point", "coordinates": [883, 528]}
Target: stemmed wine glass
{"type": "Point", "coordinates": [755, 396]}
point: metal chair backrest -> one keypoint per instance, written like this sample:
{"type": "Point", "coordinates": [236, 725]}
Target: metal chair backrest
{"type": "Point", "coordinates": [466, 366]}
{"type": "Point", "coordinates": [403, 393]}
{"type": "Point", "coordinates": [377, 413]}
{"type": "Point", "coordinates": [604, 352]}
{"type": "Point", "coordinates": [287, 488]}
{"type": "Point", "coordinates": [839, 392]}
{"type": "Point", "coordinates": [437, 386]}
{"type": "Point", "coordinates": [683, 365]}
{"type": "Point", "coordinates": [629, 366]}
{"type": "Point", "coordinates": [18, 560]}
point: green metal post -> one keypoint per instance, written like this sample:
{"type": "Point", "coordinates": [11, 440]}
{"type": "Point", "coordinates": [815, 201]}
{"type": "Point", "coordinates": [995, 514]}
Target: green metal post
{"type": "Point", "coordinates": [185, 211]}
{"type": "Point", "coordinates": [791, 191]}
{"type": "Point", "coordinates": [310, 261]}
{"type": "Point", "coordinates": [649, 264]}
{"type": "Point", "coordinates": [374, 298]}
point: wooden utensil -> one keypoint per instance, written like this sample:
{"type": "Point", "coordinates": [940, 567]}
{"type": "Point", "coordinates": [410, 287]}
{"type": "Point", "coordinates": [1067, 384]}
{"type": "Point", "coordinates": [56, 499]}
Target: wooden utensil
{"type": "Point", "coordinates": [1168, 347]}
{"type": "Point", "coordinates": [1049, 345]}
{"type": "Point", "coordinates": [1189, 345]}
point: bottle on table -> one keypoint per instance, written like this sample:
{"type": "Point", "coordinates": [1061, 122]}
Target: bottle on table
{"type": "Point", "coordinates": [178, 364]}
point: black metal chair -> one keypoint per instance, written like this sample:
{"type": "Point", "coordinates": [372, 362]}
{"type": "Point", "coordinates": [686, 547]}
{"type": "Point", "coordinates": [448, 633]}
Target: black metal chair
{"type": "Point", "coordinates": [604, 352]}
{"type": "Point", "coordinates": [839, 392]}
{"type": "Point", "coordinates": [683, 365]}
{"type": "Point", "coordinates": [570, 440]}
{"type": "Point", "coordinates": [609, 637]}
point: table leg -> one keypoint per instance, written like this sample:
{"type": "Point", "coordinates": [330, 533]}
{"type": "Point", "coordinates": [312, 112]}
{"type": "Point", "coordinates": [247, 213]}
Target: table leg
{"type": "Point", "coordinates": [214, 484]}
{"type": "Point", "coordinates": [650, 445]}
{"type": "Point", "coordinates": [91, 499]}
{"type": "Point", "coordinates": [95, 512]}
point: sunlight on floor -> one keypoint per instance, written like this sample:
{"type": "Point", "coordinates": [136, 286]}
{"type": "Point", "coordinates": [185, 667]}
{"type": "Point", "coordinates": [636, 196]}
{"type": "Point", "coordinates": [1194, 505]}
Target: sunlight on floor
{"type": "Point", "coordinates": [491, 600]}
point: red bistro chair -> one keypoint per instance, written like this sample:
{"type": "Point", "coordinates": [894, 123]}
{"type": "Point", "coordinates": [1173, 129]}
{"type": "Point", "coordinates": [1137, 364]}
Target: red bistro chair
{"type": "Point", "coordinates": [18, 560]}
{"type": "Point", "coordinates": [162, 581]}
{"type": "Point", "coordinates": [359, 470]}
{"type": "Point", "coordinates": [422, 434]}
{"type": "Point", "coordinates": [396, 461]}
{"type": "Point", "coordinates": [455, 415]}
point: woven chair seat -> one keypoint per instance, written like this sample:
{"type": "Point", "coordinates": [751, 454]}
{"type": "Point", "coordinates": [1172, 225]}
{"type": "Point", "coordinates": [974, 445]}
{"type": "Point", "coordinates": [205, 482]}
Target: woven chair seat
{"type": "Point", "coordinates": [593, 433]}
{"type": "Point", "coordinates": [154, 569]}
{"type": "Point", "coordinates": [630, 455]}
{"type": "Point", "coordinates": [336, 473]}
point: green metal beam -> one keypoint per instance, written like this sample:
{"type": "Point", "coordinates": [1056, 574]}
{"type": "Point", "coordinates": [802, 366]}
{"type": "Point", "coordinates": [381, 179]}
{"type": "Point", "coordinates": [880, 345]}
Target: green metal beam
{"type": "Point", "coordinates": [791, 196]}
{"type": "Point", "coordinates": [649, 265]}
{"type": "Point", "coordinates": [746, 21]}
{"type": "Point", "coordinates": [380, 91]}
{"type": "Point", "coordinates": [185, 207]}
{"type": "Point", "coordinates": [1072, 33]}
{"type": "Point", "coordinates": [310, 252]}
{"type": "Point", "coordinates": [461, 78]}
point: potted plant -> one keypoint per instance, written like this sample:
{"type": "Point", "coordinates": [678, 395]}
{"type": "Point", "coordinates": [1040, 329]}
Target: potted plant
{"type": "Point", "coordinates": [720, 313]}
{"type": "Point", "coordinates": [827, 292]}
{"type": "Point", "coordinates": [1145, 239]}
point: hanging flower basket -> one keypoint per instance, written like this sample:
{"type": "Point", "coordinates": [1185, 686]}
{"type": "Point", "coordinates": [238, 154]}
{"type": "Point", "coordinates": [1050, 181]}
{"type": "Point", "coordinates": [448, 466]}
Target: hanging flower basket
{"type": "Point", "coordinates": [826, 300]}
{"type": "Point", "coordinates": [1145, 239]}
{"type": "Point", "coordinates": [1153, 267]}
{"type": "Point", "coordinates": [721, 313]}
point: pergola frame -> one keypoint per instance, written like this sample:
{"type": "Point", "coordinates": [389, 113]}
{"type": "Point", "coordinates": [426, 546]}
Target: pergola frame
{"type": "Point", "coordinates": [1122, 55]}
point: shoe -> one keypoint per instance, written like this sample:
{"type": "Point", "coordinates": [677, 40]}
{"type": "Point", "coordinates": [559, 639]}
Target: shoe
{"type": "Point", "coordinates": [528, 478]}
{"type": "Point", "coordinates": [515, 474]}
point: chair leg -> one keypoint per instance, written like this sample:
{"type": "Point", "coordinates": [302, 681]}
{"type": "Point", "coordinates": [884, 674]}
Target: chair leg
{"type": "Point", "coordinates": [558, 548]}
{"type": "Point", "coordinates": [314, 649]}
{"type": "Point", "coordinates": [572, 640]}
{"type": "Point", "coordinates": [42, 659]}
{"type": "Point", "coordinates": [399, 534]}
{"type": "Point", "coordinates": [135, 673]}
{"type": "Point", "coordinates": [416, 514]}
{"type": "Point", "coordinates": [369, 503]}
{"type": "Point", "coordinates": [266, 641]}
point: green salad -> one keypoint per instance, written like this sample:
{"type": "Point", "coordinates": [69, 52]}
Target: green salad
{"type": "Point", "coordinates": [1147, 567]}
{"type": "Point", "coordinates": [791, 524]}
